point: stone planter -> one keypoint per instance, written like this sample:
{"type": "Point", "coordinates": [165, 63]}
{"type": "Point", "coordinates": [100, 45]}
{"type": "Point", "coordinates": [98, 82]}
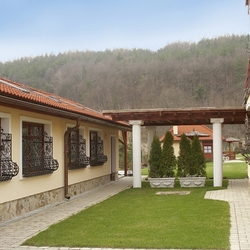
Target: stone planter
{"type": "Point", "coordinates": [161, 182]}
{"type": "Point", "coordinates": [192, 181]}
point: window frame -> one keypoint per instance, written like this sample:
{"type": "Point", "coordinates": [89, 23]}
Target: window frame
{"type": "Point", "coordinates": [96, 148]}
{"type": "Point", "coordinates": [8, 168]}
{"type": "Point", "coordinates": [79, 149]}
{"type": "Point", "coordinates": [49, 163]}
{"type": "Point", "coordinates": [208, 149]}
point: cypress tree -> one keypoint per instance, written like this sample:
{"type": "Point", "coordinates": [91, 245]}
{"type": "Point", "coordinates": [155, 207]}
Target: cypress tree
{"type": "Point", "coordinates": [184, 160]}
{"type": "Point", "coordinates": [168, 160]}
{"type": "Point", "coordinates": [198, 167]}
{"type": "Point", "coordinates": [155, 158]}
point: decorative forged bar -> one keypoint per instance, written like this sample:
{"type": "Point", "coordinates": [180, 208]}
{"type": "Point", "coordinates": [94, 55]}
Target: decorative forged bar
{"type": "Point", "coordinates": [8, 168]}
{"type": "Point", "coordinates": [97, 156]}
{"type": "Point", "coordinates": [49, 162]}
{"type": "Point", "coordinates": [38, 154]}
{"type": "Point", "coordinates": [77, 157]}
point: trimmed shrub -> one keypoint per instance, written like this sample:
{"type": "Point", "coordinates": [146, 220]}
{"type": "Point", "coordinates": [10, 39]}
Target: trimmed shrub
{"type": "Point", "coordinates": [168, 159]}
{"type": "Point", "coordinates": [184, 160]}
{"type": "Point", "coordinates": [198, 167]}
{"type": "Point", "coordinates": [155, 158]}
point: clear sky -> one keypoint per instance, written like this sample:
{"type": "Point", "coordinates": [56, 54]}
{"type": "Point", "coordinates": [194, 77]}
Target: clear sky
{"type": "Point", "coordinates": [30, 28]}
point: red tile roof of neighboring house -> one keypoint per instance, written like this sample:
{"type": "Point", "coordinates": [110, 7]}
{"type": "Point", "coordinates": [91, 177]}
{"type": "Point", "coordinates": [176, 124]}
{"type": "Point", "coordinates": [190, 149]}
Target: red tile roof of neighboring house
{"type": "Point", "coordinates": [182, 129]}
{"type": "Point", "coordinates": [23, 92]}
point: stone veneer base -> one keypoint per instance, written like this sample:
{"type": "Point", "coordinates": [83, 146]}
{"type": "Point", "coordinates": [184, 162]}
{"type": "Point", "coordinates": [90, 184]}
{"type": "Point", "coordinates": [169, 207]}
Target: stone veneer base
{"type": "Point", "coordinates": [13, 209]}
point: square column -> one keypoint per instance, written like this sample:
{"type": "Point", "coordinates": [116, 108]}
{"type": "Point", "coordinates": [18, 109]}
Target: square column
{"type": "Point", "coordinates": [136, 136]}
{"type": "Point", "coordinates": [217, 151]}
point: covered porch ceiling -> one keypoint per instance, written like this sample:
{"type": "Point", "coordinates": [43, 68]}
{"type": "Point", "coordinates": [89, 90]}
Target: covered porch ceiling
{"type": "Point", "coordinates": [186, 116]}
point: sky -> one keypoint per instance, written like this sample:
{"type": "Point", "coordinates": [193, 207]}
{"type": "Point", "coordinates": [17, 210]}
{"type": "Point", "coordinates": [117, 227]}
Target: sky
{"type": "Point", "coordinates": [30, 28]}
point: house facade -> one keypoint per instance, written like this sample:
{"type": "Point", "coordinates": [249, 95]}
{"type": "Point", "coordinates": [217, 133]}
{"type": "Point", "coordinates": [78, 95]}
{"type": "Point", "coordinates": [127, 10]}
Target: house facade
{"type": "Point", "coordinates": [51, 149]}
{"type": "Point", "coordinates": [206, 137]}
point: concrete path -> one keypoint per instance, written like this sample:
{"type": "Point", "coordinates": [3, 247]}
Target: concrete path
{"type": "Point", "coordinates": [15, 232]}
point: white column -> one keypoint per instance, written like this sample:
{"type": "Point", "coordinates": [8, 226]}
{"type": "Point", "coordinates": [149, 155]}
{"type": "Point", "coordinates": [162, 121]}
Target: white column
{"type": "Point", "coordinates": [217, 151]}
{"type": "Point", "coordinates": [151, 133]}
{"type": "Point", "coordinates": [136, 135]}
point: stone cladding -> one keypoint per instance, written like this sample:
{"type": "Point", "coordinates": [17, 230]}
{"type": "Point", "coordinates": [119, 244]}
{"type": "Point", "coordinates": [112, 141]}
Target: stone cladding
{"type": "Point", "coordinates": [16, 208]}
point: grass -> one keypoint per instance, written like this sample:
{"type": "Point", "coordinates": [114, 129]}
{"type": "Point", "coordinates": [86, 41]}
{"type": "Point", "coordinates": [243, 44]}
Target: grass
{"type": "Point", "coordinates": [138, 218]}
{"type": "Point", "coordinates": [231, 170]}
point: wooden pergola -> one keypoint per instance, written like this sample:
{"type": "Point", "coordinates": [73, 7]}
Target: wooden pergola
{"type": "Point", "coordinates": [185, 116]}
{"type": "Point", "coordinates": [180, 116]}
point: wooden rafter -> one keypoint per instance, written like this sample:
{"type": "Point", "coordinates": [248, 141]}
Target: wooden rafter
{"type": "Point", "coordinates": [163, 117]}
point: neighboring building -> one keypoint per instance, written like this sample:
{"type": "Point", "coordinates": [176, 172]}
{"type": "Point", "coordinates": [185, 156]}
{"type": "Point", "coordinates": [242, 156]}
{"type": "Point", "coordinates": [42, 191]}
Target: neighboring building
{"type": "Point", "coordinates": [51, 148]}
{"type": "Point", "coordinates": [206, 137]}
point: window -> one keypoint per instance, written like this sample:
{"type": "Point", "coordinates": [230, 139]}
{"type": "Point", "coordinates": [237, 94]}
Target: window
{"type": "Point", "coordinates": [77, 151]}
{"type": "Point", "coordinates": [96, 150]}
{"type": "Point", "coordinates": [37, 150]}
{"type": "Point", "coordinates": [207, 149]}
{"type": "Point", "coordinates": [8, 168]}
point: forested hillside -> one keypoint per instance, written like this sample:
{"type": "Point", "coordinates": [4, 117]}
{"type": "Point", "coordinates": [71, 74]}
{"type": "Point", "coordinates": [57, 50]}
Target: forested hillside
{"type": "Point", "coordinates": [210, 73]}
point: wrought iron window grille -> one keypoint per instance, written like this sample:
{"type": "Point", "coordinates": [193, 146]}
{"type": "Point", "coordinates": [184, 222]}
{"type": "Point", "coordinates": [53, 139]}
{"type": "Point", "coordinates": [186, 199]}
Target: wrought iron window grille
{"type": "Point", "coordinates": [245, 151]}
{"type": "Point", "coordinates": [97, 157]}
{"type": "Point", "coordinates": [8, 168]}
{"type": "Point", "coordinates": [77, 157]}
{"type": "Point", "coordinates": [38, 153]}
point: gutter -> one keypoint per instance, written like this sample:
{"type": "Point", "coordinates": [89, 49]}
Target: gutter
{"type": "Point", "coordinates": [66, 152]}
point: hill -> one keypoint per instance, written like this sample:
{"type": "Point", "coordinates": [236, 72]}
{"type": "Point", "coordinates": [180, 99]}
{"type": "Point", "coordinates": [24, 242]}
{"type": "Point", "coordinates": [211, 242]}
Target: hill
{"type": "Point", "coordinates": [211, 72]}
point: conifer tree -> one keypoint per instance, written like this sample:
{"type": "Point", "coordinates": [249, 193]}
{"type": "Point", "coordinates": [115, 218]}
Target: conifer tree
{"type": "Point", "coordinates": [198, 167]}
{"type": "Point", "coordinates": [155, 158]}
{"type": "Point", "coordinates": [184, 160]}
{"type": "Point", "coordinates": [168, 160]}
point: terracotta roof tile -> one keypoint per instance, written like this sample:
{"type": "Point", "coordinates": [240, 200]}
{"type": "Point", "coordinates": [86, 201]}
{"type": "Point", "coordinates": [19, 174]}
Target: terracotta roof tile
{"type": "Point", "coordinates": [187, 128]}
{"type": "Point", "coordinates": [23, 92]}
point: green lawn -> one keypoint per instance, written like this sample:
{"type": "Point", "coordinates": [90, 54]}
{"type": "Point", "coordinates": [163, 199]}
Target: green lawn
{"type": "Point", "coordinates": [138, 218]}
{"type": "Point", "coordinates": [231, 170]}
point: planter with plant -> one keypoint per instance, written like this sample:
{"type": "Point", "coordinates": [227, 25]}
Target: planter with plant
{"type": "Point", "coordinates": [191, 163]}
{"type": "Point", "coordinates": [162, 162]}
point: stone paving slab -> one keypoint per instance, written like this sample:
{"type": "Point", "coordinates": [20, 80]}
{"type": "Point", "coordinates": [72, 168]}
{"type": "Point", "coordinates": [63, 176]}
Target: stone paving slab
{"type": "Point", "coordinates": [14, 233]}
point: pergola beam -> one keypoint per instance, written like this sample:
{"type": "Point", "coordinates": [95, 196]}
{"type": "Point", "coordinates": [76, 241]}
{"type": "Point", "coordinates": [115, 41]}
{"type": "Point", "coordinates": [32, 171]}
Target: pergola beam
{"type": "Point", "coordinates": [190, 116]}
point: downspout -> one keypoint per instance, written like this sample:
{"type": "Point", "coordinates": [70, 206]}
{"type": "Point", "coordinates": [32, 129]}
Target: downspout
{"type": "Point", "coordinates": [66, 152]}
{"type": "Point", "coordinates": [125, 148]}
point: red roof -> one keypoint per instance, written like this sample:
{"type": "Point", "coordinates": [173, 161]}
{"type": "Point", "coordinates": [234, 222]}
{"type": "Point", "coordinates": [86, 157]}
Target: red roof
{"type": "Point", "coordinates": [182, 129]}
{"type": "Point", "coordinates": [25, 93]}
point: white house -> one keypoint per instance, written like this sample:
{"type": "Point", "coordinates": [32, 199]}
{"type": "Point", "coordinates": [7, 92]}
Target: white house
{"type": "Point", "coordinates": [51, 148]}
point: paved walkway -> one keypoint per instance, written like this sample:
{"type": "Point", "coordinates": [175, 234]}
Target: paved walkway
{"type": "Point", "coordinates": [15, 232]}
{"type": "Point", "coordinates": [238, 196]}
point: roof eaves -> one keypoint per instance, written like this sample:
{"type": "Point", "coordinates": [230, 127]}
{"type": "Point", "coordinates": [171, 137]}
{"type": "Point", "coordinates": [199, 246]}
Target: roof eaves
{"type": "Point", "coordinates": [45, 109]}
{"type": "Point", "coordinates": [20, 95]}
